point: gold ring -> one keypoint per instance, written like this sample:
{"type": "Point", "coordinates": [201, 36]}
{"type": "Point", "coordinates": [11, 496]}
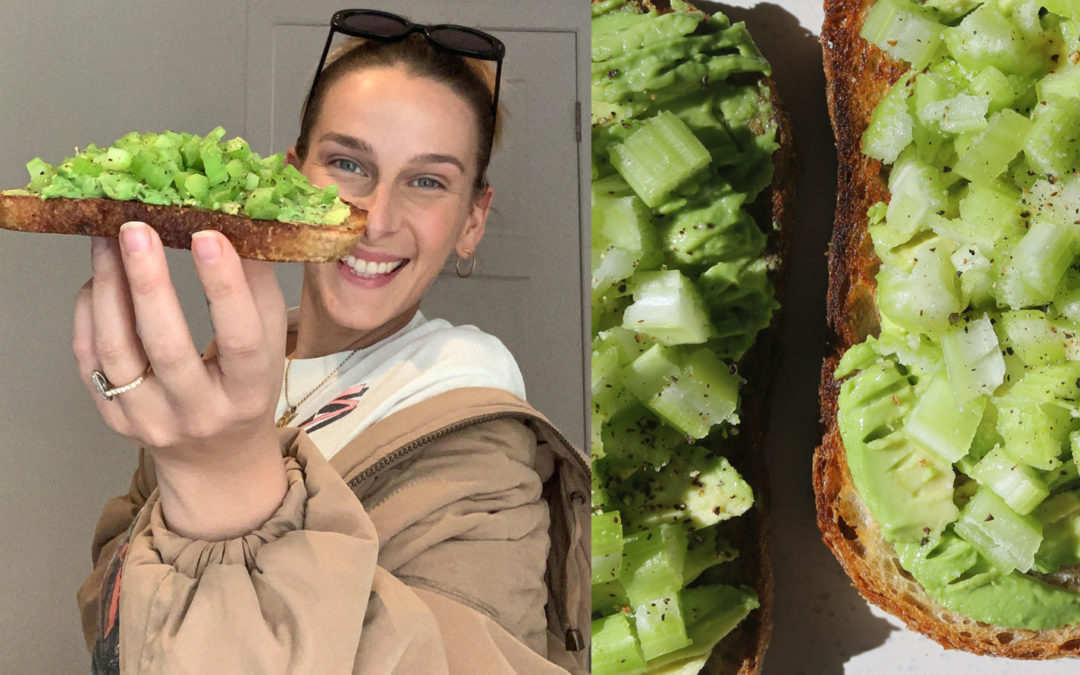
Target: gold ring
{"type": "Point", "coordinates": [107, 391]}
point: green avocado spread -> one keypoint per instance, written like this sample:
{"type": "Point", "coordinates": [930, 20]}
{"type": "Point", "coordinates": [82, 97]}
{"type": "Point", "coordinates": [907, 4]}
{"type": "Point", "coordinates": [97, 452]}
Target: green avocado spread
{"type": "Point", "coordinates": [186, 170]}
{"type": "Point", "coordinates": [961, 417]}
{"type": "Point", "coordinates": [682, 142]}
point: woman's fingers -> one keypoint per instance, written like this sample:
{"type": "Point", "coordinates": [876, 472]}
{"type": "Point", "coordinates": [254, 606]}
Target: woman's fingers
{"type": "Point", "coordinates": [159, 319]}
{"type": "Point", "coordinates": [244, 353]}
{"type": "Point", "coordinates": [117, 350]}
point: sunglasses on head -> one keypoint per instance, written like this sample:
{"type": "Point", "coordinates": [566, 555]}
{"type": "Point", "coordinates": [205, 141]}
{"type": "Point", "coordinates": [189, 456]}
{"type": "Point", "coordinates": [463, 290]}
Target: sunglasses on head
{"type": "Point", "coordinates": [372, 24]}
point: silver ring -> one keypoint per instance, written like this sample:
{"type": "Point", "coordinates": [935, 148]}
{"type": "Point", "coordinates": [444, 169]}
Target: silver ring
{"type": "Point", "coordinates": [107, 391]}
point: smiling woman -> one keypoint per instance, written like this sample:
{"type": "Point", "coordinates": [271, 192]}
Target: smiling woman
{"type": "Point", "coordinates": [350, 485]}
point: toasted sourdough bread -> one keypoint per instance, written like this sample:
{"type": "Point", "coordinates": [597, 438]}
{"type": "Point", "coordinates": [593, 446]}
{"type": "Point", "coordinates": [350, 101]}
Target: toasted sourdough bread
{"type": "Point", "coordinates": [858, 75]}
{"type": "Point", "coordinates": [742, 652]}
{"type": "Point", "coordinates": [258, 239]}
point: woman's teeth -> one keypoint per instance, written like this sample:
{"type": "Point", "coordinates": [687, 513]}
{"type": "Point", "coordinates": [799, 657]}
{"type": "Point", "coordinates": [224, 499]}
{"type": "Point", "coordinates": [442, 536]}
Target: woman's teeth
{"type": "Point", "coordinates": [368, 268]}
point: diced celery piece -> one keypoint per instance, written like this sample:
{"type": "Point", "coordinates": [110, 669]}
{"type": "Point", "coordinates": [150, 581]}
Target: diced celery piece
{"type": "Point", "coordinates": [973, 359]}
{"type": "Point", "coordinates": [615, 650]}
{"type": "Point", "coordinates": [939, 424]}
{"type": "Point", "coordinates": [1018, 485]}
{"type": "Point", "coordinates": [990, 215]}
{"type": "Point", "coordinates": [1054, 200]}
{"type": "Point", "coordinates": [660, 626]}
{"type": "Point", "coordinates": [705, 394]}
{"type": "Point", "coordinates": [1032, 337]}
{"type": "Point", "coordinates": [1059, 506]}
{"type": "Point", "coordinates": [993, 83]}
{"type": "Point", "coordinates": [668, 308]}
{"type": "Point", "coordinates": [988, 37]}
{"type": "Point", "coordinates": [606, 546]}
{"type": "Point", "coordinates": [197, 186]}
{"type": "Point", "coordinates": [960, 114]}
{"type": "Point", "coordinates": [623, 239]}
{"type": "Point", "coordinates": [1006, 538]}
{"type": "Point", "coordinates": [890, 128]}
{"type": "Point", "coordinates": [1035, 414]}
{"type": "Point", "coordinates": [650, 373]}
{"type": "Point", "coordinates": [145, 167]}
{"type": "Point", "coordinates": [1036, 265]}
{"type": "Point", "coordinates": [924, 299]}
{"type": "Point", "coordinates": [1062, 84]}
{"type": "Point", "coordinates": [117, 159]}
{"type": "Point", "coordinates": [904, 30]}
{"type": "Point", "coordinates": [711, 612]}
{"type": "Point", "coordinates": [652, 562]}
{"type": "Point", "coordinates": [608, 597]}
{"type": "Point", "coordinates": [1052, 145]}
{"type": "Point", "coordinates": [994, 148]}
{"type": "Point", "coordinates": [606, 379]}
{"type": "Point", "coordinates": [658, 156]}
{"type": "Point", "coordinates": [916, 191]}
{"type": "Point", "coordinates": [976, 278]}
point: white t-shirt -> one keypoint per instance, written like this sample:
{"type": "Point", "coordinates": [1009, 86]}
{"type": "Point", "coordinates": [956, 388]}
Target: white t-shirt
{"type": "Point", "coordinates": [423, 359]}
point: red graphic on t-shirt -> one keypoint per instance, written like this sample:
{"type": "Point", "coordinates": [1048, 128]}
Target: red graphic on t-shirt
{"type": "Point", "coordinates": [341, 406]}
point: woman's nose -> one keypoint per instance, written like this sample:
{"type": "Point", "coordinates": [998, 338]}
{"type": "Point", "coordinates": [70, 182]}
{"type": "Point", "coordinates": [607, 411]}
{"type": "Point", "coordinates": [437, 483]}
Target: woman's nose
{"type": "Point", "coordinates": [380, 216]}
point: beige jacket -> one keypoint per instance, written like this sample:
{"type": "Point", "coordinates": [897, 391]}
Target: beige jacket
{"type": "Point", "coordinates": [427, 545]}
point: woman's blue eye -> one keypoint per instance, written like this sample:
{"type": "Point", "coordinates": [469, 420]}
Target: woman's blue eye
{"type": "Point", "coordinates": [428, 183]}
{"type": "Point", "coordinates": [347, 165]}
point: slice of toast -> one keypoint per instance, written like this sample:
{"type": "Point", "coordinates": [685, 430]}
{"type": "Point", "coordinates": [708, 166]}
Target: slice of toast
{"type": "Point", "coordinates": [858, 75]}
{"type": "Point", "coordinates": [258, 239]}
{"type": "Point", "coordinates": [742, 652]}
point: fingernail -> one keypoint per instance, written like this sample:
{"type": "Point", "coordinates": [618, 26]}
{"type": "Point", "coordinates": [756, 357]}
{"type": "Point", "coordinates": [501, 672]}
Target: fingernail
{"type": "Point", "coordinates": [135, 237]}
{"type": "Point", "coordinates": [205, 245]}
{"type": "Point", "coordinates": [98, 244]}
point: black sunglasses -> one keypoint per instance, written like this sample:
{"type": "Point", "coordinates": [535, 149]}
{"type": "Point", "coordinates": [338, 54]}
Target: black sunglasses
{"type": "Point", "coordinates": [373, 24]}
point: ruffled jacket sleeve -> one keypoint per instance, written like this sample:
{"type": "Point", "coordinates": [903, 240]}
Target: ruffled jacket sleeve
{"type": "Point", "coordinates": [302, 594]}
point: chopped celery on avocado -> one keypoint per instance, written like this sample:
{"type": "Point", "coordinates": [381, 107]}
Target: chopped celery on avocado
{"type": "Point", "coordinates": [680, 289]}
{"type": "Point", "coordinates": [961, 419]}
{"type": "Point", "coordinates": [186, 170]}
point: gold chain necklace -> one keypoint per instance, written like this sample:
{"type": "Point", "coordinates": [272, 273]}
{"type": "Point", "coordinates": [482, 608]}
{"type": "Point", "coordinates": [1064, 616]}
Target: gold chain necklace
{"type": "Point", "coordinates": [290, 408]}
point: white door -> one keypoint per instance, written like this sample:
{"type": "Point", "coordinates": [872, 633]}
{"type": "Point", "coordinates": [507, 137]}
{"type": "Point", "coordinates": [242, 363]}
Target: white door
{"type": "Point", "coordinates": [528, 284]}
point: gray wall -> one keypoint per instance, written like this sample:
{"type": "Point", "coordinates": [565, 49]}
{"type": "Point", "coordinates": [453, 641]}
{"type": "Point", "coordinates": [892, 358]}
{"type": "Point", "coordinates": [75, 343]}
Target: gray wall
{"type": "Point", "coordinates": [72, 73]}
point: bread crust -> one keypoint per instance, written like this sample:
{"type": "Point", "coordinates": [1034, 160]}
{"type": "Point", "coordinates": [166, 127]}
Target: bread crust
{"type": "Point", "coordinates": [743, 651]}
{"type": "Point", "coordinates": [258, 239]}
{"type": "Point", "coordinates": [858, 75]}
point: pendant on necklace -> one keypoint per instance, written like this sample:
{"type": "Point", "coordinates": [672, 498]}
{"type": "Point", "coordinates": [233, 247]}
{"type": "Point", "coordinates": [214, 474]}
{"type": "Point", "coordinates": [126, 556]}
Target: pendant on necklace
{"type": "Point", "coordinates": [286, 417]}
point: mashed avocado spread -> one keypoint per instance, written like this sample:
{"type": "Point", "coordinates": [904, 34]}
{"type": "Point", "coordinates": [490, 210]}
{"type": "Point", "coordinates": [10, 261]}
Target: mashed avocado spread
{"type": "Point", "coordinates": [961, 419]}
{"type": "Point", "coordinates": [186, 170]}
{"type": "Point", "coordinates": [682, 144]}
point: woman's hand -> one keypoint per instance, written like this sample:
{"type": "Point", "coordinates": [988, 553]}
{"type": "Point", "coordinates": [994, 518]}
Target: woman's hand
{"type": "Point", "coordinates": [208, 423]}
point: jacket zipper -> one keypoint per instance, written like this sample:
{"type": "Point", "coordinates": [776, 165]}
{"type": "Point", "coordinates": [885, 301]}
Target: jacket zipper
{"type": "Point", "coordinates": [405, 450]}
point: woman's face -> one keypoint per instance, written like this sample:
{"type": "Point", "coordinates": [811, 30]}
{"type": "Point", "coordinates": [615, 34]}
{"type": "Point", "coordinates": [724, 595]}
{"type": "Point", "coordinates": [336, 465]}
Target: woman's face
{"type": "Point", "coordinates": [403, 148]}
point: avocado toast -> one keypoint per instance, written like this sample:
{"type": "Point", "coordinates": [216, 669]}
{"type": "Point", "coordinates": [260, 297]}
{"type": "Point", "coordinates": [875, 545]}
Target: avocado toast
{"type": "Point", "coordinates": [946, 481]}
{"type": "Point", "coordinates": [180, 184]}
{"type": "Point", "coordinates": [692, 195]}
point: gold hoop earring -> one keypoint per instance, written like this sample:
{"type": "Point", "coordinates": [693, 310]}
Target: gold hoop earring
{"type": "Point", "coordinates": [470, 259]}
